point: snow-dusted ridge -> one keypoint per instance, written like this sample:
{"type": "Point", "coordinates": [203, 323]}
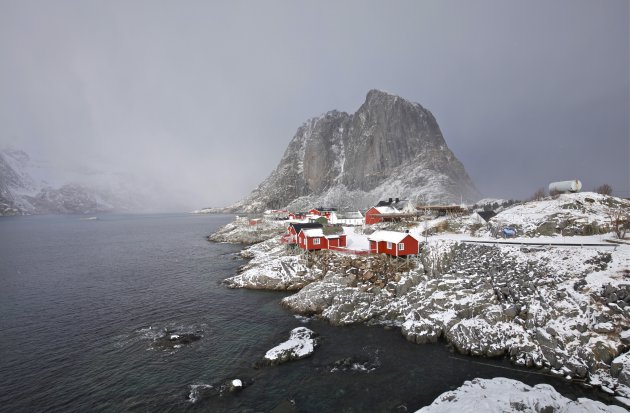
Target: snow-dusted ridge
{"type": "Point", "coordinates": [24, 191]}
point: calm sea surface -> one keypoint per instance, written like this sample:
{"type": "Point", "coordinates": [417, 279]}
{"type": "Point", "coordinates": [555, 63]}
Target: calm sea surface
{"type": "Point", "coordinates": [83, 301]}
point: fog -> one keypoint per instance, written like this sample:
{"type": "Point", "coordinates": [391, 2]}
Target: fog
{"type": "Point", "coordinates": [197, 100]}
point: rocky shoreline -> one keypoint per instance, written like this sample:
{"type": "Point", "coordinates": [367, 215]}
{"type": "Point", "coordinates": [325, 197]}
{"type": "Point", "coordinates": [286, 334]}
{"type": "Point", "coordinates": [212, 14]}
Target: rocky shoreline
{"type": "Point", "coordinates": [565, 310]}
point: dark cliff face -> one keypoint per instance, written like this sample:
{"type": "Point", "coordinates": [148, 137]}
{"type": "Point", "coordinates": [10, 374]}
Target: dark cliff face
{"type": "Point", "coordinates": [386, 132]}
{"type": "Point", "coordinates": [389, 144]}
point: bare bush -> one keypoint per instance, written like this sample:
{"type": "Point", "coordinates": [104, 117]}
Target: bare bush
{"type": "Point", "coordinates": [538, 195]}
{"type": "Point", "coordinates": [619, 221]}
{"type": "Point", "coordinates": [604, 189]}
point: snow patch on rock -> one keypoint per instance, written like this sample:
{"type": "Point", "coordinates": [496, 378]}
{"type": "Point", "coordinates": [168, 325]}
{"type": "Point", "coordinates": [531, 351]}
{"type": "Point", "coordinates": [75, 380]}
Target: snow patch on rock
{"type": "Point", "coordinates": [506, 395]}
{"type": "Point", "coordinates": [301, 344]}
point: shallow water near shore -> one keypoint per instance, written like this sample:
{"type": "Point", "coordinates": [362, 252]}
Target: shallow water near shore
{"type": "Point", "coordinates": [83, 304]}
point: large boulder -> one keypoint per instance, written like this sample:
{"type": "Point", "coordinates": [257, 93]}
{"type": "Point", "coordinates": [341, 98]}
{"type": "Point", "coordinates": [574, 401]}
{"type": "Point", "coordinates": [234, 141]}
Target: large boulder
{"type": "Point", "coordinates": [620, 368]}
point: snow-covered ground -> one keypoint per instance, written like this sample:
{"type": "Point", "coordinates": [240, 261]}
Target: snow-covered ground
{"type": "Point", "coordinates": [355, 239]}
{"type": "Point", "coordinates": [240, 231]}
{"type": "Point", "coordinates": [272, 268]}
{"type": "Point", "coordinates": [566, 214]}
{"type": "Point", "coordinates": [565, 309]}
{"type": "Point", "coordinates": [499, 395]}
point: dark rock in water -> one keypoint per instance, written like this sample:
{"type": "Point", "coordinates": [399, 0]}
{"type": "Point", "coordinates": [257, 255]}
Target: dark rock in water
{"type": "Point", "coordinates": [301, 343]}
{"type": "Point", "coordinates": [354, 364]}
{"type": "Point", "coordinates": [219, 389]}
{"type": "Point", "coordinates": [173, 339]}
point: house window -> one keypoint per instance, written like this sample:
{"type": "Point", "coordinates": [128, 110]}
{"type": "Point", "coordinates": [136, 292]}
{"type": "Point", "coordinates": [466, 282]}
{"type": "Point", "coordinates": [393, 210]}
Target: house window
{"type": "Point", "coordinates": [389, 245]}
{"type": "Point", "coordinates": [316, 241]}
{"type": "Point", "coordinates": [401, 246]}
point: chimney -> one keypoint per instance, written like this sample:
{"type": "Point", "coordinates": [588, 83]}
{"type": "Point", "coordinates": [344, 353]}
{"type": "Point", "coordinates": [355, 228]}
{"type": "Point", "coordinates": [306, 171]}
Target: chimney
{"type": "Point", "coordinates": [397, 199]}
{"type": "Point", "coordinates": [390, 200]}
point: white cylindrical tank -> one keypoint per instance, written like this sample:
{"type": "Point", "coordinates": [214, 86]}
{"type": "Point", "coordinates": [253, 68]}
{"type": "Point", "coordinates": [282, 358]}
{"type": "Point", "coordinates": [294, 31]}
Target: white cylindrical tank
{"type": "Point", "coordinates": [565, 186]}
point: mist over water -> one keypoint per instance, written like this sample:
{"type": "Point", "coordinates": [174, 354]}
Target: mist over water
{"type": "Point", "coordinates": [84, 302]}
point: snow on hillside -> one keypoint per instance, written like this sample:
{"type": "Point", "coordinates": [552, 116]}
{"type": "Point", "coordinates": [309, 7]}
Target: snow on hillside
{"type": "Point", "coordinates": [568, 214]}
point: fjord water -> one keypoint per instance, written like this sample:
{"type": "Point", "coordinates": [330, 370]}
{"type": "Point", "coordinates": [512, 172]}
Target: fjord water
{"type": "Point", "coordinates": [81, 302]}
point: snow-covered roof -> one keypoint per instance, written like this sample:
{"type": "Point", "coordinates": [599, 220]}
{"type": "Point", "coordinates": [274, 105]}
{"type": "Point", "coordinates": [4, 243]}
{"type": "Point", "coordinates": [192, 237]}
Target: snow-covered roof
{"type": "Point", "coordinates": [313, 232]}
{"type": "Point", "coordinates": [389, 236]}
{"type": "Point", "coordinates": [318, 232]}
{"type": "Point", "coordinates": [350, 215]}
{"type": "Point", "coordinates": [386, 210]}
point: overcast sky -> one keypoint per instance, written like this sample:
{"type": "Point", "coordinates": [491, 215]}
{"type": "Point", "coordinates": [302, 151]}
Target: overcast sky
{"type": "Point", "coordinates": [203, 96]}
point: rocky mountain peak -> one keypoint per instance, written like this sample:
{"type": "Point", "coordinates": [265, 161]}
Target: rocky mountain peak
{"type": "Point", "coordinates": [389, 147]}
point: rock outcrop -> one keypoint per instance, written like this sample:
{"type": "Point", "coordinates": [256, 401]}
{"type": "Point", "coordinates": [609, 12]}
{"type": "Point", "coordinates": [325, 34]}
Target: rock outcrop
{"type": "Point", "coordinates": [240, 231]}
{"type": "Point", "coordinates": [506, 395]}
{"type": "Point", "coordinates": [301, 344]}
{"type": "Point", "coordinates": [389, 147]}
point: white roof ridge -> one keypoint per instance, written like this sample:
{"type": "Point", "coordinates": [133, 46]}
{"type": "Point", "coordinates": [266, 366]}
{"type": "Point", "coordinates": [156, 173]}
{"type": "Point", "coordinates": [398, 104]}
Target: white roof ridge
{"type": "Point", "coordinates": [389, 236]}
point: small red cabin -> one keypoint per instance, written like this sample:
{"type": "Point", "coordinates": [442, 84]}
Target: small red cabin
{"type": "Point", "coordinates": [314, 239]}
{"type": "Point", "coordinates": [322, 212]}
{"type": "Point", "coordinates": [337, 240]}
{"type": "Point", "coordinates": [396, 244]}
{"type": "Point", "coordinates": [294, 229]}
{"type": "Point", "coordinates": [373, 215]}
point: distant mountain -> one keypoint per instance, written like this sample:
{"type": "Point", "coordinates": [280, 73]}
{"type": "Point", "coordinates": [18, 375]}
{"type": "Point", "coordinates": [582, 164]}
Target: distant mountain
{"type": "Point", "coordinates": [389, 148]}
{"type": "Point", "coordinates": [23, 194]}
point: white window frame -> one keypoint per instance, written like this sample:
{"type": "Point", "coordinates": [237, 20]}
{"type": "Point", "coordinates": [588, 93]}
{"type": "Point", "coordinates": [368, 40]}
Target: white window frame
{"type": "Point", "coordinates": [389, 245]}
{"type": "Point", "coordinates": [401, 247]}
{"type": "Point", "coordinates": [316, 241]}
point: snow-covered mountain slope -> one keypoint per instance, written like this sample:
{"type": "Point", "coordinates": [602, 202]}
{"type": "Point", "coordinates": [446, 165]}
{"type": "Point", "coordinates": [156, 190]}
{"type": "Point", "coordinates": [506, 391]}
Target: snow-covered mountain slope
{"type": "Point", "coordinates": [24, 192]}
{"type": "Point", "coordinates": [389, 148]}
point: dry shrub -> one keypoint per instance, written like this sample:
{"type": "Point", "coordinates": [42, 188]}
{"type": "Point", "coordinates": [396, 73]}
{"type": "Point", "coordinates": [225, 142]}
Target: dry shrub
{"type": "Point", "coordinates": [604, 189]}
{"type": "Point", "coordinates": [538, 195]}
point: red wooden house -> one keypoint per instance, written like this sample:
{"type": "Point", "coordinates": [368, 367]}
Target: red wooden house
{"type": "Point", "coordinates": [315, 239]}
{"type": "Point", "coordinates": [322, 212]}
{"type": "Point", "coordinates": [312, 239]}
{"type": "Point", "coordinates": [373, 215]}
{"type": "Point", "coordinates": [336, 240]}
{"type": "Point", "coordinates": [294, 229]}
{"type": "Point", "coordinates": [396, 244]}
